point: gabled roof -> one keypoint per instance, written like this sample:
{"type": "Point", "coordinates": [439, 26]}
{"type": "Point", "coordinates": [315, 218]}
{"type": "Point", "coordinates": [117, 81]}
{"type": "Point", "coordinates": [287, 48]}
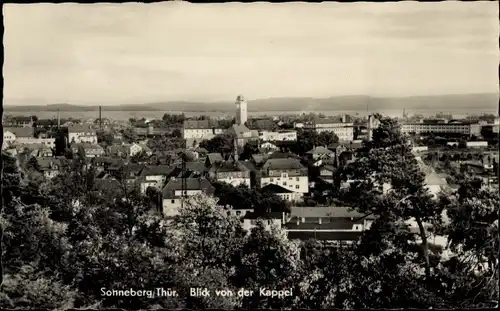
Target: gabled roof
{"type": "Point", "coordinates": [201, 124]}
{"type": "Point", "coordinates": [320, 150]}
{"type": "Point", "coordinates": [80, 128]}
{"type": "Point", "coordinates": [194, 166]}
{"type": "Point", "coordinates": [282, 164]}
{"type": "Point", "coordinates": [190, 184]}
{"type": "Point", "coordinates": [230, 166]}
{"type": "Point", "coordinates": [273, 188]}
{"type": "Point", "coordinates": [86, 146]}
{"type": "Point", "coordinates": [324, 212]}
{"type": "Point", "coordinates": [215, 157]}
{"type": "Point", "coordinates": [157, 170]}
{"type": "Point", "coordinates": [347, 144]}
{"type": "Point", "coordinates": [19, 131]}
{"type": "Point", "coordinates": [240, 129]}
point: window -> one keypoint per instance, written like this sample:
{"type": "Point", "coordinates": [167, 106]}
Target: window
{"type": "Point", "coordinates": [238, 213]}
{"type": "Point", "coordinates": [284, 183]}
{"type": "Point", "coordinates": [290, 178]}
{"type": "Point", "coordinates": [297, 187]}
{"type": "Point", "coordinates": [284, 175]}
{"type": "Point", "coordinates": [296, 178]}
{"type": "Point", "coordinates": [272, 179]}
{"type": "Point", "coordinates": [173, 201]}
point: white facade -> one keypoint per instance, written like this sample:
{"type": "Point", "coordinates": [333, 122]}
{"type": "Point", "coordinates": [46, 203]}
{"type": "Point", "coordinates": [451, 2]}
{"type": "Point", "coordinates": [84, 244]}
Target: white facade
{"type": "Point", "coordinates": [249, 224]}
{"type": "Point", "coordinates": [344, 131]}
{"type": "Point", "coordinates": [235, 181]}
{"type": "Point", "coordinates": [49, 142]}
{"type": "Point", "coordinates": [456, 128]}
{"type": "Point", "coordinates": [82, 137]}
{"type": "Point", "coordinates": [291, 197]}
{"type": "Point", "coordinates": [9, 137]}
{"type": "Point", "coordinates": [295, 184]}
{"type": "Point", "coordinates": [201, 134]}
{"type": "Point", "coordinates": [476, 144]}
{"type": "Point", "coordinates": [171, 206]}
{"type": "Point", "coordinates": [241, 110]}
{"type": "Point", "coordinates": [279, 136]}
{"type": "Point", "coordinates": [153, 181]}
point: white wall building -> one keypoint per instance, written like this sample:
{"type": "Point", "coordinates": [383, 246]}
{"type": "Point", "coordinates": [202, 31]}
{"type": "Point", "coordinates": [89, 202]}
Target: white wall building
{"type": "Point", "coordinates": [278, 136]}
{"type": "Point", "coordinates": [287, 173]}
{"type": "Point", "coordinates": [82, 134]}
{"type": "Point", "coordinates": [241, 110]}
{"type": "Point", "coordinates": [201, 129]}
{"type": "Point", "coordinates": [173, 196]}
{"type": "Point", "coordinates": [342, 127]}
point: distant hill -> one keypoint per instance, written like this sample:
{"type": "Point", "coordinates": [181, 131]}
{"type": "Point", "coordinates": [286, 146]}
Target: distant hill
{"type": "Point", "coordinates": [475, 102]}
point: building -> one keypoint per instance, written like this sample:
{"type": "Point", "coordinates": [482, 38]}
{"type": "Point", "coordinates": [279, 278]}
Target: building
{"type": "Point", "coordinates": [176, 189]}
{"type": "Point", "coordinates": [201, 129]}
{"type": "Point", "coordinates": [278, 135]}
{"type": "Point", "coordinates": [343, 127]}
{"type": "Point", "coordinates": [286, 172]}
{"type": "Point", "coordinates": [18, 121]}
{"type": "Point", "coordinates": [284, 193]}
{"type": "Point", "coordinates": [156, 176]}
{"type": "Point", "coordinates": [270, 220]}
{"type": "Point", "coordinates": [91, 150]}
{"type": "Point", "coordinates": [476, 144]}
{"type": "Point", "coordinates": [438, 126]}
{"type": "Point", "coordinates": [333, 226]}
{"type": "Point", "coordinates": [241, 110]}
{"type": "Point", "coordinates": [231, 172]}
{"type": "Point", "coordinates": [13, 134]}
{"type": "Point", "coordinates": [82, 134]}
{"type": "Point", "coordinates": [242, 134]}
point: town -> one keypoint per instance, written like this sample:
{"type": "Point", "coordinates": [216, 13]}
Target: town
{"type": "Point", "coordinates": [357, 168]}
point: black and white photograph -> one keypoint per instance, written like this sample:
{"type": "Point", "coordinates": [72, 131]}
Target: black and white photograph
{"type": "Point", "coordinates": [177, 155]}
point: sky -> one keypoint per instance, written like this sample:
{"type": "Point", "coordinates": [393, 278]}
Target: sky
{"type": "Point", "coordinates": [135, 53]}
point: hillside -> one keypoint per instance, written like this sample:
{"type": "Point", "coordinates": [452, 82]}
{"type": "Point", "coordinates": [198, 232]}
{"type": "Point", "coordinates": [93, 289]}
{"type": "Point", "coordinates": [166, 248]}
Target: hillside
{"type": "Point", "coordinates": [353, 103]}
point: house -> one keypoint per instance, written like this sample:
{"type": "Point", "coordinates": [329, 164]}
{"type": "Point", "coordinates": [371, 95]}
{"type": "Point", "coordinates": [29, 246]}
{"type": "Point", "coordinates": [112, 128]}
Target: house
{"type": "Point", "coordinates": [231, 172]}
{"type": "Point", "coordinates": [191, 169]}
{"type": "Point", "coordinates": [35, 150]}
{"type": "Point", "coordinates": [201, 129]}
{"type": "Point", "coordinates": [284, 193]}
{"type": "Point", "coordinates": [18, 121]}
{"type": "Point", "coordinates": [135, 149]}
{"type": "Point", "coordinates": [156, 176]}
{"type": "Point", "coordinates": [242, 134]}
{"type": "Point", "coordinates": [49, 166]}
{"type": "Point", "coordinates": [343, 127]}
{"type": "Point", "coordinates": [176, 189]}
{"type": "Point", "coordinates": [333, 226]}
{"type": "Point", "coordinates": [122, 150]}
{"type": "Point", "coordinates": [82, 134]}
{"type": "Point", "coordinates": [273, 219]}
{"type": "Point", "coordinates": [91, 150]}
{"type": "Point", "coordinates": [320, 153]}
{"type": "Point", "coordinates": [283, 135]}
{"type": "Point", "coordinates": [326, 173]}
{"type": "Point", "coordinates": [213, 158]}
{"type": "Point", "coordinates": [13, 134]}
{"type": "Point", "coordinates": [267, 147]}
{"type": "Point", "coordinates": [286, 172]}
{"type": "Point", "coordinates": [49, 142]}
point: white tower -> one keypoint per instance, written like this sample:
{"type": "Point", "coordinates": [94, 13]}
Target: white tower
{"type": "Point", "coordinates": [241, 110]}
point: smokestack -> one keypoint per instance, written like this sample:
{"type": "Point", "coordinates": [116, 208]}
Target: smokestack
{"type": "Point", "coordinates": [235, 154]}
{"type": "Point", "coordinates": [58, 119]}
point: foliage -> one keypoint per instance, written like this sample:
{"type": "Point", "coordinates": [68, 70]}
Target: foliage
{"type": "Point", "coordinates": [222, 143]}
{"type": "Point", "coordinates": [248, 150]}
{"type": "Point", "coordinates": [307, 140]}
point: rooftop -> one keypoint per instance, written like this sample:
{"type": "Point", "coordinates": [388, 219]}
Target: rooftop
{"type": "Point", "coordinates": [283, 164]}
{"type": "Point", "coordinates": [190, 184]}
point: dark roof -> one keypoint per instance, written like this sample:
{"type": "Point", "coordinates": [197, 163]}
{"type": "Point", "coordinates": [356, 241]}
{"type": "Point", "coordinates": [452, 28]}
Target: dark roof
{"type": "Point", "coordinates": [80, 128]}
{"type": "Point", "coordinates": [326, 212]}
{"type": "Point", "coordinates": [157, 170]}
{"type": "Point", "coordinates": [280, 143]}
{"type": "Point", "coordinates": [271, 215]}
{"type": "Point", "coordinates": [259, 158]}
{"type": "Point", "coordinates": [86, 146]}
{"type": "Point", "coordinates": [201, 150]}
{"type": "Point", "coordinates": [263, 124]}
{"type": "Point", "coordinates": [239, 129]}
{"type": "Point", "coordinates": [334, 223]}
{"type": "Point", "coordinates": [215, 157]}
{"type": "Point", "coordinates": [195, 166]}
{"type": "Point", "coordinates": [230, 166]}
{"type": "Point", "coordinates": [20, 131]}
{"type": "Point", "coordinates": [347, 144]}
{"type": "Point", "coordinates": [283, 164]}
{"type": "Point", "coordinates": [320, 150]}
{"type": "Point", "coordinates": [190, 184]}
{"type": "Point", "coordinates": [325, 235]}
{"type": "Point", "coordinates": [273, 188]}
{"type": "Point", "coordinates": [201, 124]}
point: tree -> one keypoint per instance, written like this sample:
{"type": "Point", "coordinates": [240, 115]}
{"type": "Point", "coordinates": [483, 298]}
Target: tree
{"type": "Point", "coordinates": [222, 143]}
{"type": "Point", "coordinates": [105, 138]}
{"type": "Point", "coordinates": [248, 150]}
{"type": "Point", "coordinates": [307, 140]}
